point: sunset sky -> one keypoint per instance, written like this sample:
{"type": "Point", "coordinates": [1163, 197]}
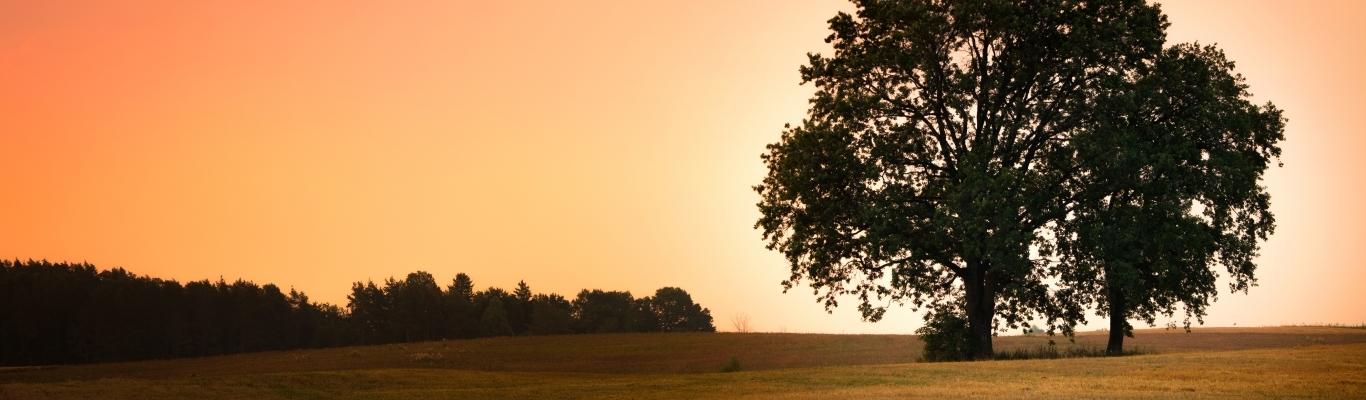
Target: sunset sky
{"type": "Point", "coordinates": [571, 144]}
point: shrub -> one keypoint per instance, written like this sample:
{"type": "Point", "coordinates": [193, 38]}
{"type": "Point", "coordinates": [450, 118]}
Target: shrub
{"type": "Point", "coordinates": [733, 366]}
{"type": "Point", "coordinates": [946, 335]}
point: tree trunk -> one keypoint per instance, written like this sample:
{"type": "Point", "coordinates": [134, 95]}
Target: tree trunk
{"type": "Point", "coordinates": [1118, 325]}
{"type": "Point", "coordinates": [981, 308]}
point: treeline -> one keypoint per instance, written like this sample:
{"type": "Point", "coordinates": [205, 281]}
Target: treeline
{"type": "Point", "coordinates": [418, 309]}
{"type": "Point", "coordinates": [60, 313]}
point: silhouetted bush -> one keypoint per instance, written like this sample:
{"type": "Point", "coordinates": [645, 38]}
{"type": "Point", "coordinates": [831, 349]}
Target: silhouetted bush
{"type": "Point", "coordinates": [946, 335]}
{"type": "Point", "coordinates": [732, 366]}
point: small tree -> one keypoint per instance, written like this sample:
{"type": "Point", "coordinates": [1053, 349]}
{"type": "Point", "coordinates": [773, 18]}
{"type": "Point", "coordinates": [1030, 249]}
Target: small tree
{"type": "Point", "coordinates": [740, 321]}
{"type": "Point", "coordinates": [494, 321]}
{"type": "Point", "coordinates": [462, 316]}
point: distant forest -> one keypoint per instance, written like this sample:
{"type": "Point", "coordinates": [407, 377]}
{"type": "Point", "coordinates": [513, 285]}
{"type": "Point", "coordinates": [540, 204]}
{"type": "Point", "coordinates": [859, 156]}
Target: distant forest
{"type": "Point", "coordinates": [72, 313]}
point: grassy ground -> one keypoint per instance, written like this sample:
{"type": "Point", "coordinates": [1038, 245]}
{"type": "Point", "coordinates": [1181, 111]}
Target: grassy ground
{"type": "Point", "coordinates": [1255, 362]}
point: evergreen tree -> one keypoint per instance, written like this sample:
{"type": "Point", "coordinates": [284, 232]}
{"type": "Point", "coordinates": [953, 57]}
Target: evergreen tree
{"type": "Point", "coordinates": [418, 310]}
{"type": "Point", "coordinates": [494, 322]}
{"type": "Point", "coordinates": [463, 316]}
{"type": "Point", "coordinates": [524, 307]}
{"type": "Point", "coordinates": [369, 312]}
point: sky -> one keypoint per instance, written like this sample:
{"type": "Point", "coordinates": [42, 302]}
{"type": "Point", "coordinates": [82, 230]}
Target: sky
{"type": "Point", "coordinates": [587, 144]}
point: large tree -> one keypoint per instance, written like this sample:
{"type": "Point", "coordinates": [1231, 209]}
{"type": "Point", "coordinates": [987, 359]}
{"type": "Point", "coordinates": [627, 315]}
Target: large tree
{"type": "Point", "coordinates": [676, 311]}
{"type": "Point", "coordinates": [417, 306]}
{"type": "Point", "coordinates": [1168, 187]}
{"type": "Point", "coordinates": [937, 150]}
{"type": "Point", "coordinates": [463, 315]}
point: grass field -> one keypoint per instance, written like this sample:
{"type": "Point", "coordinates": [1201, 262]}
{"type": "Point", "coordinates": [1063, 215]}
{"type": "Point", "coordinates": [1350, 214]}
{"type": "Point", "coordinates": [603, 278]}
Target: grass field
{"type": "Point", "coordinates": [1217, 362]}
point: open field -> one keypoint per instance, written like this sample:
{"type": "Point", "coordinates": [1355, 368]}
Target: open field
{"type": "Point", "coordinates": [1217, 362]}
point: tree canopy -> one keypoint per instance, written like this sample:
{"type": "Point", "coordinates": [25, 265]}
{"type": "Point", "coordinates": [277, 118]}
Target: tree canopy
{"type": "Point", "coordinates": [1169, 175]}
{"type": "Point", "coordinates": [940, 160]}
{"type": "Point", "coordinates": [676, 312]}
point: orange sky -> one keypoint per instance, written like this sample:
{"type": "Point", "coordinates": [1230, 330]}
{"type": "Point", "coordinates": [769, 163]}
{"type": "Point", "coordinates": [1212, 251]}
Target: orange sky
{"type": "Point", "coordinates": [598, 144]}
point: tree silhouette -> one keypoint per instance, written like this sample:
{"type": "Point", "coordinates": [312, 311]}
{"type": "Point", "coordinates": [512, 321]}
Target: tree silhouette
{"type": "Point", "coordinates": [72, 313]}
{"type": "Point", "coordinates": [418, 307]}
{"type": "Point", "coordinates": [462, 315]}
{"type": "Point", "coordinates": [598, 311]}
{"type": "Point", "coordinates": [937, 150]}
{"type": "Point", "coordinates": [524, 307]}
{"type": "Point", "coordinates": [676, 312]}
{"type": "Point", "coordinates": [551, 315]}
{"type": "Point", "coordinates": [1169, 188]}
{"type": "Point", "coordinates": [369, 312]}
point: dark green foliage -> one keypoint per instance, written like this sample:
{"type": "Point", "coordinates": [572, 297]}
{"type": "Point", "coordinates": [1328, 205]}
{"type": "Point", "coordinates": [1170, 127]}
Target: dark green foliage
{"type": "Point", "coordinates": [949, 140]}
{"type": "Point", "coordinates": [38, 305]}
{"type": "Point", "coordinates": [462, 316]}
{"type": "Point", "coordinates": [320, 325]}
{"type": "Point", "coordinates": [510, 305]}
{"type": "Point", "coordinates": [69, 313]}
{"type": "Point", "coordinates": [72, 313]}
{"type": "Point", "coordinates": [495, 322]}
{"type": "Point", "coordinates": [936, 149]}
{"type": "Point", "coordinates": [1169, 188]}
{"type": "Point", "coordinates": [604, 312]}
{"type": "Point", "coordinates": [551, 315]}
{"type": "Point", "coordinates": [369, 313]}
{"type": "Point", "coordinates": [523, 307]}
{"type": "Point", "coordinates": [677, 313]}
{"type": "Point", "coordinates": [643, 318]}
{"type": "Point", "coordinates": [732, 366]}
{"type": "Point", "coordinates": [946, 335]}
{"type": "Point", "coordinates": [418, 309]}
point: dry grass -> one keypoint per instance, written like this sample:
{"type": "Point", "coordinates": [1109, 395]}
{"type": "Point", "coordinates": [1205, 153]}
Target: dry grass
{"type": "Point", "coordinates": [1256, 362]}
{"type": "Point", "coordinates": [1225, 339]}
{"type": "Point", "coordinates": [637, 353]}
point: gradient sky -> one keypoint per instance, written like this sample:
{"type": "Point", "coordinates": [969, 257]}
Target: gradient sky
{"type": "Point", "coordinates": [585, 144]}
